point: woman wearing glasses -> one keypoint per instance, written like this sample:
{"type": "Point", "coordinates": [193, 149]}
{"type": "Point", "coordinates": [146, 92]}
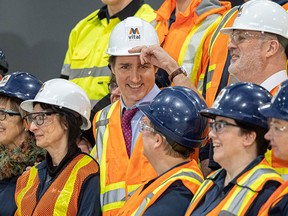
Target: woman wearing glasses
{"type": "Point", "coordinates": [246, 180]}
{"type": "Point", "coordinates": [171, 130]}
{"type": "Point", "coordinates": [67, 182]}
{"type": "Point", "coordinates": [17, 146]}
{"type": "Point", "coordinates": [277, 113]}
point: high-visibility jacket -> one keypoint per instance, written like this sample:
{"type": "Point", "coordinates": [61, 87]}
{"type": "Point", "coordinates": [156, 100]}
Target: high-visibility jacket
{"type": "Point", "coordinates": [185, 38]}
{"type": "Point", "coordinates": [86, 59]}
{"type": "Point", "coordinates": [213, 71]}
{"type": "Point", "coordinates": [274, 199]}
{"type": "Point", "coordinates": [63, 193]}
{"type": "Point", "coordinates": [239, 199]}
{"type": "Point", "coordinates": [119, 174]}
{"type": "Point", "coordinates": [141, 200]}
{"type": "Point", "coordinates": [281, 166]}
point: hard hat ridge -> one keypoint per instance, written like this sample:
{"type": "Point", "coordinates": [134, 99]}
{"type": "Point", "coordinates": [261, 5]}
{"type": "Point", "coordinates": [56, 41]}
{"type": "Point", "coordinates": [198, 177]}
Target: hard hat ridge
{"type": "Point", "coordinates": [129, 33]}
{"type": "Point", "coordinates": [63, 93]}
{"type": "Point", "coordinates": [261, 15]}
{"type": "Point", "coordinates": [175, 112]}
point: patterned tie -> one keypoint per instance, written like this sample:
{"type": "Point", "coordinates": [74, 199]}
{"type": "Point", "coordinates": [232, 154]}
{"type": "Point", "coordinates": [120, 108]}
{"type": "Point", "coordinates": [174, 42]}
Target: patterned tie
{"type": "Point", "coordinates": [126, 127]}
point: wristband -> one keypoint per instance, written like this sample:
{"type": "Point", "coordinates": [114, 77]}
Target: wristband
{"type": "Point", "coordinates": [175, 73]}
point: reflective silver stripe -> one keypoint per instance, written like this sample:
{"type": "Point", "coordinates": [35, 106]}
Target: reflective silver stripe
{"type": "Point", "coordinates": [213, 38]}
{"type": "Point", "coordinates": [203, 185]}
{"type": "Point", "coordinates": [86, 72]}
{"type": "Point", "coordinates": [284, 176]}
{"type": "Point", "coordinates": [143, 205]}
{"type": "Point", "coordinates": [207, 5]}
{"type": "Point", "coordinates": [197, 38]}
{"type": "Point", "coordinates": [108, 196]}
{"type": "Point", "coordinates": [101, 128]}
{"type": "Point", "coordinates": [236, 204]}
{"type": "Point", "coordinates": [113, 196]}
{"type": "Point", "coordinates": [220, 26]}
{"type": "Point", "coordinates": [183, 174]}
{"type": "Point", "coordinates": [65, 70]}
{"type": "Point", "coordinates": [226, 213]}
{"type": "Point", "coordinates": [195, 41]}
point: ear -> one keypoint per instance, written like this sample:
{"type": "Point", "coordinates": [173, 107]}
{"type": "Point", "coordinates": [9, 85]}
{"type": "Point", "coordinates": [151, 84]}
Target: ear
{"type": "Point", "coordinates": [272, 48]}
{"type": "Point", "coordinates": [156, 69]}
{"type": "Point", "coordinates": [159, 140]}
{"type": "Point", "coordinates": [111, 68]}
{"type": "Point", "coordinates": [249, 138]}
{"type": "Point", "coordinates": [64, 124]}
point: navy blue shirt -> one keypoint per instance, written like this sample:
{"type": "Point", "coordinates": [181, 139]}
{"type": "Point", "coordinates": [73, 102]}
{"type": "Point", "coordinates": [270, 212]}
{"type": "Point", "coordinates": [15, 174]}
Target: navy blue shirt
{"type": "Point", "coordinates": [174, 201]}
{"type": "Point", "coordinates": [281, 208]}
{"type": "Point", "coordinates": [7, 201]}
{"type": "Point", "coordinates": [218, 192]}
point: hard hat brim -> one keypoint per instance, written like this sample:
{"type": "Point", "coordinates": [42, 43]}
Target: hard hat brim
{"type": "Point", "coordinates": [28, 107]}
{"type": "Point", "coordinates": [269, 111]}
{"type": "Point", "coordinates": [121, 53]}
{"type": "Point", "coordinates": [145, 108]}
{"type": "Point", "coordinates": [212, 113]}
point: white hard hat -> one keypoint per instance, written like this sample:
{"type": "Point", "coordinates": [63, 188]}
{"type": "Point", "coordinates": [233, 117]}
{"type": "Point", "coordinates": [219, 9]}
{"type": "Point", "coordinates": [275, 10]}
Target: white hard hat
{"type": "Point", "coordinates": [130, 33]}
{"type": "Point", "coordinates": [261, 15]}
{"type": "Point", "coordinates": [63, 93]}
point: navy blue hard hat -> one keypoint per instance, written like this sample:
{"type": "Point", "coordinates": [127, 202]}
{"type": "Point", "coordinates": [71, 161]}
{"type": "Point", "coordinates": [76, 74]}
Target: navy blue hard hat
{"type": "Point", "coordinates": [278, 107]}
{"type": "Point", "coordinates": [20, 86]}
{"type": "Point", "coordinates": [240, 101]}
{"type": "Point", "coordinates": [3, 62]}
{"type": "Point", "coordinates": [175, 112]}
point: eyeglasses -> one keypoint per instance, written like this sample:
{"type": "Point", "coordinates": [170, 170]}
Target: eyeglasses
{"type": "Point", "coordinates": [277, 129]}
{"type": "Point", "coordinates": [218, 126]}
{"type": "Point", "coordinates": [143, 126]}
{"type": "Point", "coordinates": [239, 37]}
{"type": "Point", "coordinates": [3, 114]}
{"type": "Point", "coordinates": [38, 118]}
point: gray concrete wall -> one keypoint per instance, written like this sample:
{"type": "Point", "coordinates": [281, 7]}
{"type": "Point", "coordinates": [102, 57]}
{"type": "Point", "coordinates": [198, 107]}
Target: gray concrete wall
{"type": "Point", "coordinates": [34, 33]}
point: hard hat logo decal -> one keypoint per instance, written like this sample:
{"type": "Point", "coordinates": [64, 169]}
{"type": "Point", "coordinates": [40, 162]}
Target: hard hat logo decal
{"type": "Point", "coordinates": [219, 97]}
{"type": "Point", "coordinates": [4, 80]}
{"type": "Point", "coordinates": [134, 34]}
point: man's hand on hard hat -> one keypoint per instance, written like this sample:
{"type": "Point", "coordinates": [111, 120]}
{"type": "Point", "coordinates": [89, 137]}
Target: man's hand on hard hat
{"type": "Point", "coordinates": [157, 56]}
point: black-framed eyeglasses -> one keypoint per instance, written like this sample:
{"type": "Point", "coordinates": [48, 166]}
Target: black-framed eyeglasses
{"type": "Point", "coordinates": [4, 113]}
{"type": "Point", "coordinates": [218, 126]}
{"type": "Point", "coordinates": [38, 118]}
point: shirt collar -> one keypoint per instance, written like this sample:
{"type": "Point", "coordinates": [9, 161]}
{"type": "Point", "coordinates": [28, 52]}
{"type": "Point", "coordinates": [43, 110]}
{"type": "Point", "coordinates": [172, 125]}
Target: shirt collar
{"type": "Point", "coordinates": [219, 179]}
{"type": "Point", "coordinates": [274, 80]}
{"type": "Point", "coordinates": [148, 98]}
{"type": "Point", "coordinates": [128, 11]}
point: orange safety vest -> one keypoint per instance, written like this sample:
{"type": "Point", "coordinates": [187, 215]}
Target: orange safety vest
{"type": "Point", "coordinates": [241, 197]}
{"type": "Point", "coordinates": [281, 166]}
{"type": "Point", "coordinates": [119, 174]}
{"type": "Point", "coordinates": [61, 198]}
{"type": "Point", "coordinates": [217, 55]}
{"type": "Point", "coordinates": [274, 199]}
{"type": "Point", "coordinates": [185, 38]}
{"type": "Point", "coordinates": [141, 200]}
